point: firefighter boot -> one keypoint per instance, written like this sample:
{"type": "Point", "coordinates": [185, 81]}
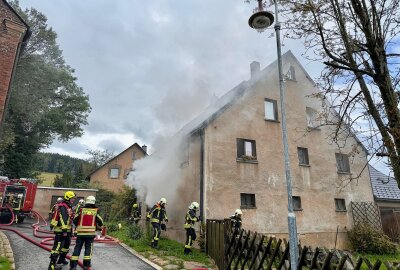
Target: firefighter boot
{"type": "Point", "coordinates": [186, 251]}
{"type": "Point", "coordinates": [62, 259]}
{"type": "Point", "coordinates": [53, 260]}
{"type": "Point", "coordinates": [86, 265]}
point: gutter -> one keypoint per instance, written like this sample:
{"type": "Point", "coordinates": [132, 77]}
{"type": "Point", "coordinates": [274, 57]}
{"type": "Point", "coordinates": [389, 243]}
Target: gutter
{"type": "Point", "coordinates": [202, 173]}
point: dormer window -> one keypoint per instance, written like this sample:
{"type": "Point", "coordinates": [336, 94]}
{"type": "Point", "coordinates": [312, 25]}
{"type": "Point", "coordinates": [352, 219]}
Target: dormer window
{"type": "Point", "coordinates": [291, 74]}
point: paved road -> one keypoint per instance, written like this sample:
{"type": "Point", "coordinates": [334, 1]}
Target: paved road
{"type": "Point", "coordinates": [106, 256]}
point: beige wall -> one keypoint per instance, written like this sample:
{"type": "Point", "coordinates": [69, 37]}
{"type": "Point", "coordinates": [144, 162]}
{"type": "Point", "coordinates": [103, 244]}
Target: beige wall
{"type": "Point", "coordinates": [317, 184]}
{"type": "Point", "coordinates": [43, 197]}
{"type": "Point", "coordinates": [124, 162]}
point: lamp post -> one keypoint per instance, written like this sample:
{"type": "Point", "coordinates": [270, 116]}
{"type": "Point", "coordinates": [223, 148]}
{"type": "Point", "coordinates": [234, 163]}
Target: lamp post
{"type": "Point", "coordinates": [260, 21]}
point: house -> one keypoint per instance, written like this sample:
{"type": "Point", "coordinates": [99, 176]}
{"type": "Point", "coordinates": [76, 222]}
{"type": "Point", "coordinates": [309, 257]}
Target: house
{"type": "Point", "coordinates": [232, 157]}
{"type": "Point", "coordinates": [14, 33]}
{"type": "Point", "coordinates": [387, 197]}
{"type": "Point", "coordinates": [113, 174]}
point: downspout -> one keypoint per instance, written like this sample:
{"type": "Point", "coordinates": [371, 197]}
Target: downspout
{"type": "Point", "coordinates": [202, 173]}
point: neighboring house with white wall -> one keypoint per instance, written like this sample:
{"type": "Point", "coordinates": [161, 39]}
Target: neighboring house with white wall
{"type": "Point", "coordinates": [232, 157]}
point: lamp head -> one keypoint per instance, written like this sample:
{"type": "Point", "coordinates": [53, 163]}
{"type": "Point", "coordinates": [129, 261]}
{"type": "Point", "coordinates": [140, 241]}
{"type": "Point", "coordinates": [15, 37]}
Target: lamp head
{"type": "Point", "coordinates": [261, 20]}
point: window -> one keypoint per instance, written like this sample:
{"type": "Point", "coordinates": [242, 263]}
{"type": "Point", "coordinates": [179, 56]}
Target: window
{"type": "Point", "coordinates": [246, 149]}
{"type": "Point", "coordinates": [296, 201]}
{"type": "Point", "coordinates": [312, 118]}
{"type": "Point", "coordinates": [340, 205]}
{"type": "Point", "coordinates": [114, 173]}
{"type": "Point", "coordinates": [291, 74]}
{"type": "Point", "coordinates": [342, 162]}
{"type": "Point", "coordinates": [134, 156]}
{"type": "Point", "coordinates": [303, 156]}
{"type": "Point", "coordinates": [247, 200]}
{"type": "Point", "coordinates": [271, 110]}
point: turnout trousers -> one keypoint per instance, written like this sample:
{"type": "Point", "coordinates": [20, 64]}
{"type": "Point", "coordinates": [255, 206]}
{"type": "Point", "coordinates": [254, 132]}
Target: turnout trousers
{"type": "Point", "coordinates": [60, 249]}
{"type": "Point", "coordinates": [190, 237]}
{"type": "Point", "coordinates": [87, 256]}
{"type": "Point", "coordinates": [156, 233]}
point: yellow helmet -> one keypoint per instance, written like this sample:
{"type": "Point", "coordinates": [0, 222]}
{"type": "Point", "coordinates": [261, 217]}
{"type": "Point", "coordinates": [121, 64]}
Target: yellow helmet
{"type": "Point", "coordinates": [69, 195]}
{"type": "Point", "coordinates": [135, 205]}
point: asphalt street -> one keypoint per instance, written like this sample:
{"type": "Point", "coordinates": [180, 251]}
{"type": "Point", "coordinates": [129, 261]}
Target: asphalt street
{"type": "Point", "coordinates": [105, 256]}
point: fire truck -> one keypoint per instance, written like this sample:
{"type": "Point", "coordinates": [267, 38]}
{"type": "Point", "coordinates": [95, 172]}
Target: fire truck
{"type": "Point", "coordinates": [17, 195]}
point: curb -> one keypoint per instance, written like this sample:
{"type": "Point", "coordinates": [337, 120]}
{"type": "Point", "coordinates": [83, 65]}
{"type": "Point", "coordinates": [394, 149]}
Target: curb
{"type": "Point", "coordinates": [156, 266]}
{"type": "Point", "coordinates": [6, 249]}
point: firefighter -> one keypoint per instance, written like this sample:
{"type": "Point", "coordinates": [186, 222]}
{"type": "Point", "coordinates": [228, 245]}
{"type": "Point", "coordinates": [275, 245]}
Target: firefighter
{"type": "Point", "coordinates": [61, 222]}
{"type": "Point", "coordinates": [190, 220]}
{"type": "Point", "coordinates": [236, 221]}
{"type": "Point", "coordinates": [135, 215]}
{"type": "Point", "coordinates": [86, 223]}
{"type": "Point", "coordinates": [53, 209]}
{"type": "Point", "coordinates": [78, 206]}
{"type": "Point", "coordinates": [157, 215]}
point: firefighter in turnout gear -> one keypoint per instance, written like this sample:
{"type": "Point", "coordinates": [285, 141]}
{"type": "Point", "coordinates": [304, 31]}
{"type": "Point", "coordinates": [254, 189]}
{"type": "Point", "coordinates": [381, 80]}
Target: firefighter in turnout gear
{"type": "Point", "coordinates": [135, 215]}
{"type": "Point", "coordinates": [236, 221]}
{"type": "Point", "coordinates": [62, 227]}
{"type": "Point", "coordinates": [53, 209]}
{"type": "Point", "coordinates": [190, 221]}
{"type": "Point", "coordinates": [78, 206]}
{"type": "Point", "coordinates": [157, 215]}
{"type": "Point", "coordinates": [86, 223]}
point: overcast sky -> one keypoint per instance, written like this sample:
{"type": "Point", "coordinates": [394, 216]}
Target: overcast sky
{"type": "Point", "coordinates": [151, 66]}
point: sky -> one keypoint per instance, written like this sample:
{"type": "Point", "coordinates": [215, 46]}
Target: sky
{"type": "Point", "coordinates": [149, 67]}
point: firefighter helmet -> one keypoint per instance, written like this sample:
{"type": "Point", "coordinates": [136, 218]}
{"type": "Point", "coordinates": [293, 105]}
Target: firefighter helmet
{"type": "Point", "coordinates": [135, 205]}
{"type": "Point", "coordinates": [81, 201]}
{"type": "Point", "coordinates": [194, 206]}
{"type": "Point", "coordinates": [69, 195]}
{"type": "Point", "coordinates": [163, 201]}
{"type": "Point", "coordinates": [90, 200]}
{"type": "Point", "coordinates": [59, 199]}
{"type": "Point", "coordinates": [238, 212]}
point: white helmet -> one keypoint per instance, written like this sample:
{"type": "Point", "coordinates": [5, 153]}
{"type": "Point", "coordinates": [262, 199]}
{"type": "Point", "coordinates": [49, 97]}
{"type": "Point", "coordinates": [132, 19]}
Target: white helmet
{"type": "Point", "coordinates": [163, 201]}
{"type": "Point", "coordinates": [59, 199]}
{"type": "Point", "coordinates": [90, 200]}
{"type": "Point", "coordinates": [81, 201]}
{"type": "Point", "coordinates": [238, 212]}
{"type": "Point", "coordinates": [194, 206]}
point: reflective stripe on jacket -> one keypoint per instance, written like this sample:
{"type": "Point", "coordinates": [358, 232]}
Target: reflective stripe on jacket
{"type": "Point", "coordinates": [157, 214]}
{"type": "Point", "coordinates": [87, 221]}
{"type": "Point", "coordinates": [190, 219]}
{"type": "Point", "coordinates": [62, 217]}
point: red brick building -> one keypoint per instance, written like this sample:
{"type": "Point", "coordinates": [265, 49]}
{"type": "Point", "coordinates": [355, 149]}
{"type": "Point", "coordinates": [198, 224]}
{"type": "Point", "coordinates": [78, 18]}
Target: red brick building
{"type": "Point", "coordinates": [14, 32]}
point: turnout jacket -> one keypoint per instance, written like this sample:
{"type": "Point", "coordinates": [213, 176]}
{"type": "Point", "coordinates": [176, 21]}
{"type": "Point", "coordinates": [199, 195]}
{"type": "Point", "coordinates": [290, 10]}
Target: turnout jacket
{"type": "Point", "coordinates": [157, 214]}
{"type": "Point", "coordinates": [62, 217]}
{"type": "Point", "coordinates": [87, 220]}
{"type": "Point", "coordinates": [236, 222]}
{"type": "Point", "coordinates": [190, 219]}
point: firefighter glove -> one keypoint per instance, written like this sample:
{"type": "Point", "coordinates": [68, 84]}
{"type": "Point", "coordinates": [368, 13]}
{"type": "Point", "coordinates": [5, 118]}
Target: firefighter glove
{"type": "Point", "coordinates": [163, 227]}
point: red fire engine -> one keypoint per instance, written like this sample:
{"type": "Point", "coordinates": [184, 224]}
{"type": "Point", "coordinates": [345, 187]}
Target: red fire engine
{"type": "Point", "coordinates": [18, 195]}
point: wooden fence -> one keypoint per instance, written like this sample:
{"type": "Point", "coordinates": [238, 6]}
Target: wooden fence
{"type": "Point", "coordinates": [250, 250]}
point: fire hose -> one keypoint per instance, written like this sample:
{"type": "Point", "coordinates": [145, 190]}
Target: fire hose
{"type": "Point", "coordinates": [45, 242]}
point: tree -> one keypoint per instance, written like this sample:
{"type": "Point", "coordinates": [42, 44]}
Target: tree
{"type": "Point", "coordinates": [355, 39]}
{"type": "Point", "coordinates": [45, 102]}
{"type": "Point", "coordinates": [99, 157]}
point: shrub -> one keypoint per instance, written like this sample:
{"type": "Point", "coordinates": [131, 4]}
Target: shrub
{"type": "Point", "coordinates": [135, 232]}
{"type": "Point", "coordinates": [112, 227]}
{"type": "Point", "coordinates": [366, 239]}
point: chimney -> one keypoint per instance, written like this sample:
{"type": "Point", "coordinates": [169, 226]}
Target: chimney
{"type": "Point", "coordinates": [254, 68]}
{"type": "Point", "coordinates": [144, 147]}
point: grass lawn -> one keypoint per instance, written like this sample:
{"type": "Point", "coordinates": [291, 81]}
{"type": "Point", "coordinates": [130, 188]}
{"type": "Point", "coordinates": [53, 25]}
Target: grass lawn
{"type": "Point", "coordinates": [47, 178]}
{"type": "Point", "coordinates": [5, 264]}
{"type": "Point", "coordinates": [167, 248]}
{"type": "Point", "coordinates": [392, 258]}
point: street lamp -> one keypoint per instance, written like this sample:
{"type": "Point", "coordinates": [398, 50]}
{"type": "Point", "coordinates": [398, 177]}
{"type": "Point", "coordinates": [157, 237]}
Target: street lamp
{"type": "Point", "coordinates": [260, 21]}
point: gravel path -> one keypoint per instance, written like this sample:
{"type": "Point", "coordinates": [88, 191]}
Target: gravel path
{"type": "Point", "coordinates": [105, 256]}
